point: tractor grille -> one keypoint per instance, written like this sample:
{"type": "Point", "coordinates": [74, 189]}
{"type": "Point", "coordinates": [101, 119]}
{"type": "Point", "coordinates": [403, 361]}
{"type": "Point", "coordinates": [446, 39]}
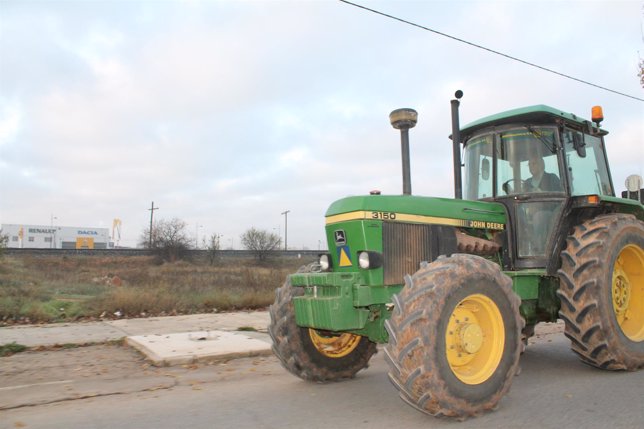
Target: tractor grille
{"type": "Point", "coordinates": [404, 247]}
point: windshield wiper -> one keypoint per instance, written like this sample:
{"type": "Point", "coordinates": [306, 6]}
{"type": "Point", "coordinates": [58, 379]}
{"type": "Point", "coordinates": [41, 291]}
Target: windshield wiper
{"type": "Point", "coordinates": [539, 135]}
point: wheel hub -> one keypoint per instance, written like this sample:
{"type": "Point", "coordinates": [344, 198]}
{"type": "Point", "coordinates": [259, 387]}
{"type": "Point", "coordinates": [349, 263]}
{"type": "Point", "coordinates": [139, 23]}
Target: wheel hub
{"type": "Point", "coordinates": [621, 291]}
{"type": "Point", "coordinates": [471, 338]}
{"type": "Point", "coordinates": [474, 339]}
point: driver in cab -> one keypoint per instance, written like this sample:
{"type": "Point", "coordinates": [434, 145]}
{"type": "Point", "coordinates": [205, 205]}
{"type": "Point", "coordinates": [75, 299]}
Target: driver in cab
{"type": "Point", "coordinates": [541, 181]}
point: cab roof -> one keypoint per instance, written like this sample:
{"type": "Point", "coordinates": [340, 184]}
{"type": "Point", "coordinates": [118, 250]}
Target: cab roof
{"type": "Point", "coordinates": [533, 114]}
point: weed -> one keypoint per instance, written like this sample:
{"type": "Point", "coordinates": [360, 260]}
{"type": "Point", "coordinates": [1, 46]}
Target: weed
{"type": "Point", "coordinates": [68, 346]}
{"type": "Point", "coordinates": [11, 348]}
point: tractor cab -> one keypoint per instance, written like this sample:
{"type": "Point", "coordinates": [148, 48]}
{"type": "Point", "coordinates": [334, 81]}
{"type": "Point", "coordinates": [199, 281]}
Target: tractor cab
{"type": "Point", "coordinates": [534, 160]}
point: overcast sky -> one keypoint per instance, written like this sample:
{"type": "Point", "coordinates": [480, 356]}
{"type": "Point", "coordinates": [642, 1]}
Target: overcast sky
{"type": "Point", "coordinates": [228, 113]}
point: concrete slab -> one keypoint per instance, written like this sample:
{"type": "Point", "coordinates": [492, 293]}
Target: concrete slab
{"type": "Point", "coordinates": [61, 333]}
{"type": "Point", "coordinates": [189, 347]}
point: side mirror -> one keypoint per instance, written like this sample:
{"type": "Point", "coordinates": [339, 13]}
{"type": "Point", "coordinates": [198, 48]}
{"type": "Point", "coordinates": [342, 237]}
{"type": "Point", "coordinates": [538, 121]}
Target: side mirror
{"type": "Point", "coordinates": [579, 144]}
{"type": "Point", "coordinates": [485, 169]}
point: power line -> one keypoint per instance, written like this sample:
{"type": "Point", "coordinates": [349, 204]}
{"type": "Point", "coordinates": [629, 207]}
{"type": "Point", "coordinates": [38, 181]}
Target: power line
{"type": "Point", "coordinates": [490, 50]}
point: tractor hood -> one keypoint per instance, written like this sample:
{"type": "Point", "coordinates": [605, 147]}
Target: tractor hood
{"type": "Point", "coordinates": [414, 209]}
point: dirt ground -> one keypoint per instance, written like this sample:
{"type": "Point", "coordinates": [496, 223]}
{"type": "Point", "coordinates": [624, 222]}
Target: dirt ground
{"type": "Point", "coordinates": [54, 375]}
{"type": "Point", "coordinates": [100, 361]}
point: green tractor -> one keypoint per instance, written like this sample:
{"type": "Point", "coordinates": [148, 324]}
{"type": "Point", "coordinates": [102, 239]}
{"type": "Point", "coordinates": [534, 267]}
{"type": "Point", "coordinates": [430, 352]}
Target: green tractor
{"type": "Point", "coordinates": [455, 287]}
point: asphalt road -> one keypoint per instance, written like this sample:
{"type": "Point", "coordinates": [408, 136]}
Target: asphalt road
{"type": "Point", "coordinates": [553, 390]}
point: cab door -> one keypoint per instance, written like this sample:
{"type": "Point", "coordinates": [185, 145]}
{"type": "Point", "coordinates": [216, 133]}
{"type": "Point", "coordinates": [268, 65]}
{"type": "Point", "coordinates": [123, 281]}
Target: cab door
{"type": "Point", "coordinates": [535, 210]}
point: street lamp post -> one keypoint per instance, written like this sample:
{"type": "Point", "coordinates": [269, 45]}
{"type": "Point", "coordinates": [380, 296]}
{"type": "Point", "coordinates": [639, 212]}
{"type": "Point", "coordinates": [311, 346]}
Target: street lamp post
{"type": "Point", "coordinates": [52, 244]}
{"type": "Point", "coordinates": [285, 213]}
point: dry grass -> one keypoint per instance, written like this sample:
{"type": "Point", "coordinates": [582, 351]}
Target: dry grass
{"type": "Point", "coordinates": [50, 289]}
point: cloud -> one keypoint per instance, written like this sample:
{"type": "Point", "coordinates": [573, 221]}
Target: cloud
{"type": "Point", "coordinates": [10, 123]}
{"type": "Point", "coordinates": [228, 113]}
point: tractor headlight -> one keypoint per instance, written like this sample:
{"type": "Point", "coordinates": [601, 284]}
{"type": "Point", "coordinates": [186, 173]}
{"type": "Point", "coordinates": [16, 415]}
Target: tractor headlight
{"type": "Point", "coordinates": [363, 260]}
{"type": "Point", "coordinates": [325, 261]}
{"type": "Point", "coordinates": [369, 260]}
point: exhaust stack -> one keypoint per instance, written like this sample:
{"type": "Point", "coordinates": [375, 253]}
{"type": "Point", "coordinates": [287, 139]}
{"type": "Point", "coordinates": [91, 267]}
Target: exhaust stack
{"type": "Point", "coordinates": [456, 146]}
{"type": "Point", "coordinates": [403, 120]}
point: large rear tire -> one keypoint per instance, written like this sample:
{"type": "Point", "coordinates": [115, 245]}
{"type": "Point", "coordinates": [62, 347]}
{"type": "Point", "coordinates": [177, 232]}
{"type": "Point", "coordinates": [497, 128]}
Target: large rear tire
{"type": "Point", "coordinates": [602, 291]}
{"type": "Point", "coordinates": [454, 337]}
{"type": "Point", "coordinates": [313, 354]}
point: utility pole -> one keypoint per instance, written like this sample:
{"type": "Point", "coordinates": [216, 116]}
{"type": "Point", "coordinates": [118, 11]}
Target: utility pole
{"type": "Point", "coordinates": [197, 235]}
{"type": "Point", "coordinates": [151, 218]}
{"type": "Point", "coordinates": [286, 228]}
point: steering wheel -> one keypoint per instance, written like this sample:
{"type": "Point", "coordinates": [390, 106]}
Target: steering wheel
{"type": "Point", "coordinates": [508, 189]}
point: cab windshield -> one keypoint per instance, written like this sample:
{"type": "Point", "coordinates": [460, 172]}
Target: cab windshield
{"type": "Point", "coordinates": [526, 162]}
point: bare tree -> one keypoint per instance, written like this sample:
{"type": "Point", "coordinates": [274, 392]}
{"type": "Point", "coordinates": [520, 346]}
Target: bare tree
{"type": "Point", "coordinates": [641, 73]}
{"type": "Point", "coordinates": [261, 242]}
{"type": "Point", "coordinates": [213, 247]}
{"type": "Point", "coordinates": [169, 239]}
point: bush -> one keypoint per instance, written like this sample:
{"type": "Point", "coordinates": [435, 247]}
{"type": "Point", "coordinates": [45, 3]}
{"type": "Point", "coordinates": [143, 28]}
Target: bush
{"type": "Point", "coordinates": [169, 240]}
{"type": "Point", "coordinates": [4, 240]}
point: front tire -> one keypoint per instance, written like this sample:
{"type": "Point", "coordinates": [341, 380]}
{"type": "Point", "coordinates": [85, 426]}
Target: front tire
{"type": "Point", "coordinates": [602, 292]}
{"type": "Point", "coordinates": [312, 354]}
{"type": "Point", "coordinates": [455, 337]}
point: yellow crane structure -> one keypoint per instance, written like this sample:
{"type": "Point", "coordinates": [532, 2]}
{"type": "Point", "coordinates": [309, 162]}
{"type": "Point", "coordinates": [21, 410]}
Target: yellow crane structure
{"type": "Point", "coordinates": [116, 232]}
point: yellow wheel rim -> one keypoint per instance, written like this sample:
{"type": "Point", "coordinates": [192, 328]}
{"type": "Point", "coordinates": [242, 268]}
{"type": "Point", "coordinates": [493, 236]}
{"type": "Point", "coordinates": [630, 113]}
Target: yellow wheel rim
{"type": "Point", "coordinates": [474, 339]}
{"type": "Point", "coordinates": [334, 345]}
{"type": "Point", "coordinates": [628, 292]}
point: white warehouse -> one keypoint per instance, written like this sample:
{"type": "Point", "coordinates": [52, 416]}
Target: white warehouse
{"type": "Point", "coordinates": [56, 237]}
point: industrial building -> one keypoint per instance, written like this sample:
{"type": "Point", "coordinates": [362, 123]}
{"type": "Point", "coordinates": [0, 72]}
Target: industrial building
{"type": "Point", "coordinates": [56, 237]}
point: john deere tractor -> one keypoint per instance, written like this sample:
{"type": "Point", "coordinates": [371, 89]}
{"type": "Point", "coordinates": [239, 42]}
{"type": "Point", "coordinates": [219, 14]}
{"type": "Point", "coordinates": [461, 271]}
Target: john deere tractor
{"type": "Point", "coordinates": [455, 287]}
